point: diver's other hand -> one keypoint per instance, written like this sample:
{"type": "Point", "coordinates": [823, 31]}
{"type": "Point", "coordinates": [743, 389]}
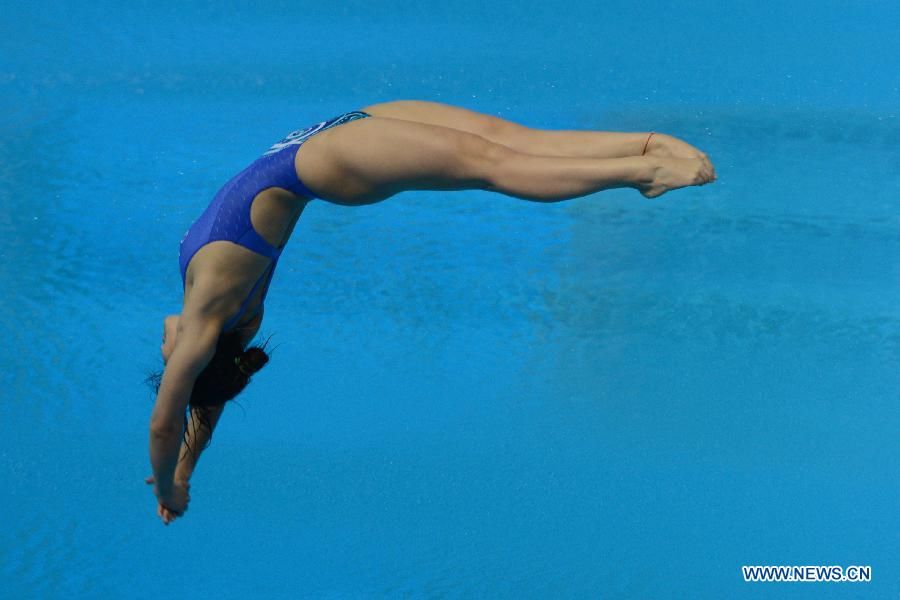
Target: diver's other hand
{"type": "Point", "coordinates": [172, 505]}
{"type": "Point", "coordinates": [177, 499]}
{"type": "Point", "coordinates": [164, 514]}
{"type": "Point", "coordinates": [673, 173]}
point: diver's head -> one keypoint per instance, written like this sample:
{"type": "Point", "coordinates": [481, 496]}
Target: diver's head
{"type": "Point", "coordinates": [227, 374]}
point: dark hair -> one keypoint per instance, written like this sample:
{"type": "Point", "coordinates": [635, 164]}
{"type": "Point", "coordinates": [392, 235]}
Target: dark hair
{"type": "Point", "coordinates": [226, 375]}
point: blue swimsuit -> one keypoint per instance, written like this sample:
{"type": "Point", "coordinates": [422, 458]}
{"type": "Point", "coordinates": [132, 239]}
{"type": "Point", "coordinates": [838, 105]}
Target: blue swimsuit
{"type": "Point", "coordinates": [228, 215]}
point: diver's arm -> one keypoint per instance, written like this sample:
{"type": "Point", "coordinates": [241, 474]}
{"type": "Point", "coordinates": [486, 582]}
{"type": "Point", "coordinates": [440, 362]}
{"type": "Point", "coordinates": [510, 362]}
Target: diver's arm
{"type": "Point", "coordinates": [194, 349]}
{"type": "Point", "coordinates": [198, 436]}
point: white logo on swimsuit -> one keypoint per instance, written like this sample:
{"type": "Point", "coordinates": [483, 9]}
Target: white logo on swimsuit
{"type": "Point", "coordinates": [301, 135]}
{"type": "Point", "coordinates": [295, 137]}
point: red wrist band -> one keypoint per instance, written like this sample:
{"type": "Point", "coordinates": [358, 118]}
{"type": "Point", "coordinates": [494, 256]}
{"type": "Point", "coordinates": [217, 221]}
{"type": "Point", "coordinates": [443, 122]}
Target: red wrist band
{"type": "Point", "coordinates": [647, 143]}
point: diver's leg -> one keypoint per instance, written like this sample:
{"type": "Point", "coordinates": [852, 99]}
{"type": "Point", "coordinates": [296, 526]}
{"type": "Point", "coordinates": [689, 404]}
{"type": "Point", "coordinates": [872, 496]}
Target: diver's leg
{"type": "Point", "coordinates": [368, 160]}
{"type": "Point", "coordinates": [542, 142]}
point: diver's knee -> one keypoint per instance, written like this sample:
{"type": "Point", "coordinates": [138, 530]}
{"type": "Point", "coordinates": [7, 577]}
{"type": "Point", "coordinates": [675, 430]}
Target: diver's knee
{"type": "Point", "coordinates": [481, 159]}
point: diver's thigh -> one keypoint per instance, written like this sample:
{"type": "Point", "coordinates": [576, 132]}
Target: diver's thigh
{"type": "Point", "coordinates": [497, 130]}
{"type": "Point", "coordinates": [370, 159]}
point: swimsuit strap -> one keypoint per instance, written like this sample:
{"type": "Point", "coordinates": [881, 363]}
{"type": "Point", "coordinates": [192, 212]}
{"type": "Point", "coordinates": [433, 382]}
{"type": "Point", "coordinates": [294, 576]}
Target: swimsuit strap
{"type": "Point", "coordinates": [253, 241]}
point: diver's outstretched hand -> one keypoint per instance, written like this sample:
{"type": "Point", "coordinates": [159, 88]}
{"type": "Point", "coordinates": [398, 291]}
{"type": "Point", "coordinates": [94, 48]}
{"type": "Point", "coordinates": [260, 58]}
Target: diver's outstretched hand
{"type": "Point", "coordinates": [166, 514]}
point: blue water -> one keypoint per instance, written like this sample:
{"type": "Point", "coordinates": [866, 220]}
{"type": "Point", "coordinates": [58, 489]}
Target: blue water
{"type": "Point", "coordinates": [471, 396]}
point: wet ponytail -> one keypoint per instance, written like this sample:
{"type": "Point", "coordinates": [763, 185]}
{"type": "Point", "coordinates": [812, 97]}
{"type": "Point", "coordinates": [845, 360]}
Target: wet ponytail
{"type": "Point", "coordinates": [229, 371]}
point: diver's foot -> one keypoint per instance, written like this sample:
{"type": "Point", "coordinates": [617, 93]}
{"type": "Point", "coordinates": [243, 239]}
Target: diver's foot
{"type": "Point", "coordinates": [667, 146]}
{"type": "Point", "coordinates": [673, 173]}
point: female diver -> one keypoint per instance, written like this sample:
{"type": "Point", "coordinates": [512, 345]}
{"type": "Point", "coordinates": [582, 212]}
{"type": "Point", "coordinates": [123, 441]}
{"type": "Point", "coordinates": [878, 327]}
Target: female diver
{"type": "Point", "coordinates": [228, 255]}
